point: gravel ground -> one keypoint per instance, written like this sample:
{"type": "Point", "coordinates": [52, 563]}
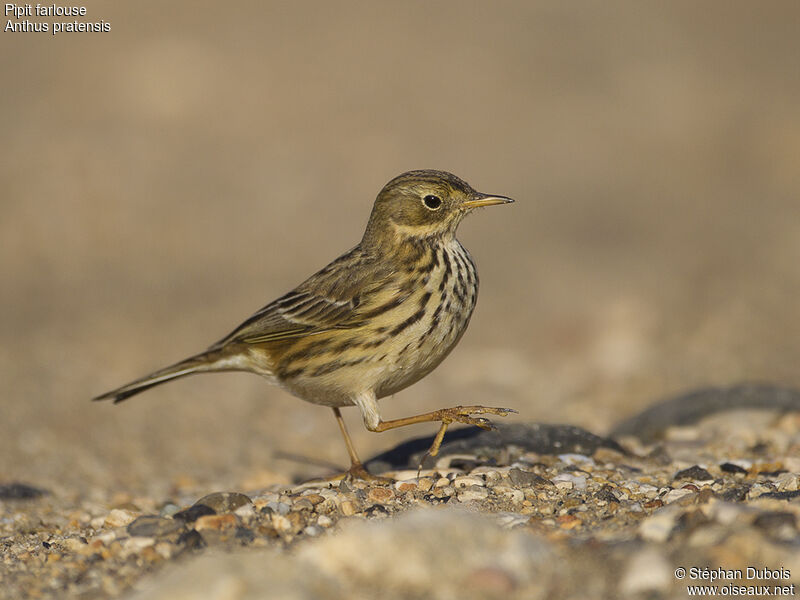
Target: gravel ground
{"type": "Point", "coordinates": [582, 516]}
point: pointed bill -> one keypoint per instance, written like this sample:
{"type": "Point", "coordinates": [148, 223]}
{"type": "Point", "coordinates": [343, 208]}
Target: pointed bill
{"type": "Point", "coordinates": [486, 200]}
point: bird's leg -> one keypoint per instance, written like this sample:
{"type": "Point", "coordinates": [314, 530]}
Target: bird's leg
{"type": "Point", "coordinates": [456, 414]}
{"type": "Point", "coordinates": [355, 462]}
{"type": "Point", "coordinates": [357, 469]}
{"type": "Point", "coordinates": [368, 405]}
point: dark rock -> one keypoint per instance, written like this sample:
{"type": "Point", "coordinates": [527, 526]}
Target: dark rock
{"type": "Point", "coordinates": [695, 472]}
{"type": "Point", "coordinates": [605, 493]}
{"type": "Point", "coordinates": [20, 491]}
{"type": "Point", "coordinates": [377, 510]}
{"type": "Point", "coordinates": [244, 535]}
{"type": "Point", "coordinates": [737, 493]}
{"type": "Point", "coordinates": [773, 473]}
{"type": "Point", "coordinates": [781, 526]}
{"type": "Point", "coordinates": [488, 445]}
{"type": "Point", "coordinates": [153, 526]}
{"type": "Point", "coordinates": [194, 512]}
{"type": "Point", "coordinates": [191, 540]}
{"type": "Point", "coordinates": [525, 479]}
{"type": "Point", "coordinates": [732, 468]}
{"type": "Point", "coordinates": [775, 519]}
{"type": "Point", "coordinates": [689, 408]}
{"type": "Point", "coordinates": [224, 502]}
{"type": "Point", "coordinates": [782, 495]}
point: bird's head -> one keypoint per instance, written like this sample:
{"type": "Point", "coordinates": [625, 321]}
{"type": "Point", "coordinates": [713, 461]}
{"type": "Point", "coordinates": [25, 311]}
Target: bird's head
{"type": "Point", "coordinates": [424, 204]}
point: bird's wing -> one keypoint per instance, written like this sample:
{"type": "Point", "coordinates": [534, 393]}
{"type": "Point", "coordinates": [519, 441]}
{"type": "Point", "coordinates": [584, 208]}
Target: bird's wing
{"type": "Point", "coordinates": [333, 298]}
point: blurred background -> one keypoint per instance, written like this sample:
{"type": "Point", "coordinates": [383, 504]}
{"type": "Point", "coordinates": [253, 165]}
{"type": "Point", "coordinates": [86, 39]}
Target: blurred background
{"type": "Point", "coordinates": [164, 180]}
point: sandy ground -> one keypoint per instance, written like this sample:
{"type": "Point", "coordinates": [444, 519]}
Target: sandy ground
{"type": "Point", "coordinates": [163, 180]}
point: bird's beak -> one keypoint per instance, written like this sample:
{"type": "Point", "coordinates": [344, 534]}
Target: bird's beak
{"type": "Point", "coordinates": [486, 200]}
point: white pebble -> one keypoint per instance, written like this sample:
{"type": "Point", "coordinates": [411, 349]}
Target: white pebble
{"type": "Point", "coordinates": [281, 523]}
{"type": "Point", "coordinates": [135, 545]}
{"type": "Point", "coordinates": [577, 481]}
{"type": "Point", "coordinates": [473, 494]}
{"type": "Point", "coordinates": [413, 482]}
{"type": "Point", "coordinates": [646, 571]}
{"type": "Point", "coordinates": [466, 481]}
{"type": "Point", "coordinates": [516, 496]}
{"type": "Point", "coordinates": [508, 520]}
{"type": "Point", "coordinates": [658, 526]}
{"type": "Point", "coordinates": [245, 512]}
{"type": "Point", "coordinates": [576, 459]}
{"type": "Point", "coordinates": [119, 517]}
{"type": "Point", "coordinates": [674, 495]}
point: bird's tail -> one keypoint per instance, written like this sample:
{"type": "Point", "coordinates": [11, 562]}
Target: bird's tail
{"type": "Point", "coordinates": [210, 360]}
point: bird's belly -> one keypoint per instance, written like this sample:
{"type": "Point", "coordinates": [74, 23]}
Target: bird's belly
{"type": "Point", "coordinates": [395, 349]}
{"type": "Point", "coordinates": [420, 351]}
{"type": "Point", "coordinates": [397, 364]}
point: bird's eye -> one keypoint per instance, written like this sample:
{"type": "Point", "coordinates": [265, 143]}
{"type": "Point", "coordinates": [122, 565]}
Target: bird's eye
{"type": "Point", "coordinates": [432, 202]}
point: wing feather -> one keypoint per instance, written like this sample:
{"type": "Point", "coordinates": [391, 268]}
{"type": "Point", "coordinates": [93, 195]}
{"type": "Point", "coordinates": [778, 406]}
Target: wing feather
{"type": "Point", "coordinates": [333, 298]}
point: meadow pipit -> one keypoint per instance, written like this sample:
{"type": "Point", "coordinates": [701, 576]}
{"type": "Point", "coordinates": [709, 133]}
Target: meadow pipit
{"type": "Point", "coordinates": [377, 319]}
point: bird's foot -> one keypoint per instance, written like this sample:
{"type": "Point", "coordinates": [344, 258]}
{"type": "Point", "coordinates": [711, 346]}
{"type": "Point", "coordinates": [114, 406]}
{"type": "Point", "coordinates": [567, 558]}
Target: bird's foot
{"type": "Point", "coordinates": [359, 471]}
{"type": "Point", "coordinates": [464, 414]}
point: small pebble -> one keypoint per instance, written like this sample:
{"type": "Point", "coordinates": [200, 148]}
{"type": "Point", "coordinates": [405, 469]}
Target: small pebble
{"type": "Point", "coordinates": [153, 526]}
{"type": "Point", "coordinates": [575, 459]}
{"type": "Point", "coordinates": [465, 481]}
{"type": "Point", "coordinates": [280, 508]}
{"type": "Point", "coordinates": [695, 472]}
{"type": "Point", "coordinates": [578, 481]}
{"type": "Point", "coordinates": [787, 482]}
{"type": "Point", "coordinates": [425, 484]}
{"type": "Point", "coordinates": [281, 523]}
{"type": "Point", "coordinates": [169, 510]}
{"type": "Point", "coordinates": [194, 512]}
{"type": "Point", "coordinates": [509, 520]}
{"type": "Point", "coordinates": [348, 508]}
{"type": "Point", "coordinates": [659, 526]}
{"type": "Point", "coordinates": [303, 504]}
{"type": "Point", "coordinates": [674, 495]}
{"type": "Point", "coordinates": [137, 544]}
{"type": "Point", "coordinates": [224, 502]}
{"type": "Point", "coordinates": [380, 495]}
{"type": "Point", "coordinates": [757, 489]}
{"type": "Point", "coordinates": [474, 493]}
{"type": "Point", "coordinates": [246, 512]}
{"type": "Point", "coordinates": [216, 522]}
{"type": "Point", "coordinates": [730, 467]}
{"type": "Point", "coordinates": [514, 495]}
{"type": "Point", "coordinates": [521, 478]}
{"type": "Point", "coordinates": [314, 498]}
{"type": "Point", "coordinates": [406, 486]}
{"type": "Point", "coordinates": [119, 517]}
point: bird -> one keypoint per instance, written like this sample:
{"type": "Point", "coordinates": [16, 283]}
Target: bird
{"type": "Point", "coordinates": [374, 321]}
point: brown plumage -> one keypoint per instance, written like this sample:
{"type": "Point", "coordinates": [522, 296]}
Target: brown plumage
{"type": "Point", "coordinates": [375, 320]}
